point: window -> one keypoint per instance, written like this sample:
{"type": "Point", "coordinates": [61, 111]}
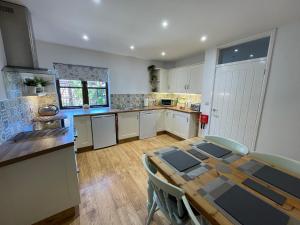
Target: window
{"type": "Point", "coordinates": [75, 93]}
{"type": "Point", "coordinates": [249, 50]}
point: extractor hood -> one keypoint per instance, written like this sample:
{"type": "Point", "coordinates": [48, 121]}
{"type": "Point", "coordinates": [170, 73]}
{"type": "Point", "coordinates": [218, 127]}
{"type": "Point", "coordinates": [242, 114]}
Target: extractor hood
{"type": "Point", "coordinates": [18, 38]}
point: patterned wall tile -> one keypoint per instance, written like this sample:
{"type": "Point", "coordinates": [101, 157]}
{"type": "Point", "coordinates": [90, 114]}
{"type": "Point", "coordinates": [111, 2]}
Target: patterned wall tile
{"type": "Point", "coordinates": [16, 114]}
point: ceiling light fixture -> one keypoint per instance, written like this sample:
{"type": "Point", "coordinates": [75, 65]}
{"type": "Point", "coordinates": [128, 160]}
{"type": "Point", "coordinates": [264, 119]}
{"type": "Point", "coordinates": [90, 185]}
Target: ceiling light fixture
{"type": "Point", "coordinates": [163, 53]}
{"type": "Point", "coordinates": [132, 47]}
{"type": "Point", "coordinates": [203, 38]}
{"type": "Point", "coordinates": [164, 23]}
{"type": "Point", "coordinates": [236, 50]}
{"type": "Point", "coordinates": [85, 37]}
{"type": "Point", "coordinates": [97, 1]}
{"type": "Point", "coordinates": [251, 55]}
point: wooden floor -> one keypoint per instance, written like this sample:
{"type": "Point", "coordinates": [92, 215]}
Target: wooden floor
{"type": "Point", "coordinates": [113, 184]}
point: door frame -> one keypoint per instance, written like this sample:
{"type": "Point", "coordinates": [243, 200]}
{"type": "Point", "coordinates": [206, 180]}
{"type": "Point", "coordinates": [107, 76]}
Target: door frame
{"type": "Point", "coordinates": [272, 35]}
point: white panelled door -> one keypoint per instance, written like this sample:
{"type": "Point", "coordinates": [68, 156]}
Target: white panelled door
{"type": "Point", "coordinates": [237, 99]}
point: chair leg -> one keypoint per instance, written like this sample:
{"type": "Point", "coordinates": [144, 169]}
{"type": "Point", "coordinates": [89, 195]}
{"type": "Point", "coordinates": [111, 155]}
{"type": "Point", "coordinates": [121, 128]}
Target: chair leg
{"type": "Point", "coordinates": [151, 213]}
{"type": "Point", "coordinates": [150, 196]}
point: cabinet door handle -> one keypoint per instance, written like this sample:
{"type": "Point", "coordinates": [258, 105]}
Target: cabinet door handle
{"type": "Point", "coordinates": [187, 120]}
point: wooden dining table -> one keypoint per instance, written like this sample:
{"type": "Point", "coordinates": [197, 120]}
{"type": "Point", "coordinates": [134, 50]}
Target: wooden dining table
{"type": "Point", "coordinates": [213, 214]}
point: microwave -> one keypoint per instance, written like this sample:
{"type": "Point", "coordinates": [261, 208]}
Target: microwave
{"type": "Point", "coordinates": [166, 102]}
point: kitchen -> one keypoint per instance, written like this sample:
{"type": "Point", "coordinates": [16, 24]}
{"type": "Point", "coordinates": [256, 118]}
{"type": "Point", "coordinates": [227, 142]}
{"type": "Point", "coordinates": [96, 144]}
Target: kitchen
{"type": "Point", "coordinates": [77, 114]}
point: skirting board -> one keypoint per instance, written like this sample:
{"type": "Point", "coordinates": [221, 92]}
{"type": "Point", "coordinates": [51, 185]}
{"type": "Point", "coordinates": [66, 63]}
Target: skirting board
{"type": "Point", "coordinates": [61, 217]}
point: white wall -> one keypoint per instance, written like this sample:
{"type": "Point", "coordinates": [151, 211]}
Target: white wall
{"type": "Point", "coordinates": [190, 60]}
{"type": "Point", "coordinates": [207, 84]}
{"type": "Point", "coordinates": [128, 75]}
{"type": "Point", "coordinates": [2, 64]}
{"type": "Point", "coordinates": [280, 124]}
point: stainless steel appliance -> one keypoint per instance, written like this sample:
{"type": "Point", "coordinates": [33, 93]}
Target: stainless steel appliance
{"type": "Point", "coordinates": [196, 107]}
{"type": "Point", "coordinates": [50, 110]}
{"type": "Point", "coordinates": [166, 102]}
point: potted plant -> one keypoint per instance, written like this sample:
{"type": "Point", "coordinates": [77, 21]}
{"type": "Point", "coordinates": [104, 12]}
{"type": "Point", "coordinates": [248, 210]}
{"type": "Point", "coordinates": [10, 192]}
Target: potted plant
{"type": "Point", "coordinates": [35, 85]}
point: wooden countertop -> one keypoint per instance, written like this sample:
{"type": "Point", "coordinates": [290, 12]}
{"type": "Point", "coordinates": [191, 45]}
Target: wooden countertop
{"type": "Point", "coordinates": [41, 142]}
{"type": "Point", "coordinates": [34, 144]}
{"type": "Point", "coordinates": [107, 110]}
{"type": "Point", "coordinates": [291, 207]}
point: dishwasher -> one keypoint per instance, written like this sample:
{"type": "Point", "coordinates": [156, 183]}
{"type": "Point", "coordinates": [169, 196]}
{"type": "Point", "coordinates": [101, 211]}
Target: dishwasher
{"type": "Point", "coordinates": [104, 130]}
{"type": "Point", "coordinates": [148, 121]}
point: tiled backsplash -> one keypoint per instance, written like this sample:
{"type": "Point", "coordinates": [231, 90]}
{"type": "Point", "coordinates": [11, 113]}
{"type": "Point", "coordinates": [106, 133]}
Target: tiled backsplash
{"type": "Point", "coordinates": [126, 100]}
{"type": "Point", "coordinates": [16, 114]}
{"type": "Point", "coordinates": [137, 100]}
{"type": "Point", "coordinates": [182, 98]}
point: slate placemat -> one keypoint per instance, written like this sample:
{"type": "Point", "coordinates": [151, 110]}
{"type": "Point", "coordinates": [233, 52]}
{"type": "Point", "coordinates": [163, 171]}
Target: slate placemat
{"type": "Point", "coordinates": [213, 150]}
{"type": "Point", "coordinates": [180, 160]}
{"type": "Point", "coordinates": [247, 209]}
{"type": "Point", "coordinates": [270, 194]}
{"type": "Point", "coordinates": [279, 179]}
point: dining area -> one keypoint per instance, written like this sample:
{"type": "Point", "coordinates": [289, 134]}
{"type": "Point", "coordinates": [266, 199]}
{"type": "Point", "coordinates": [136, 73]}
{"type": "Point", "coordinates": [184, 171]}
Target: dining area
{"type": "Point", "coordinates": [218, 181]}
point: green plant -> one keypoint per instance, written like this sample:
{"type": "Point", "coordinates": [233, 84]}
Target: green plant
{"type": "Point", "coordinates": [35, 82]}
{"type": "Point", "coordinates": [41, 81]}
{"type": "Point", "coordinates": [30, 82]}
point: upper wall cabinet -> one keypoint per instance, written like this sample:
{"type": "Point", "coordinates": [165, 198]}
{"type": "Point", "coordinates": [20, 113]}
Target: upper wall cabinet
{"type": "Point", "coordinates": [185, 79]}
{"type": "Point", "coordinates": [195, 79]}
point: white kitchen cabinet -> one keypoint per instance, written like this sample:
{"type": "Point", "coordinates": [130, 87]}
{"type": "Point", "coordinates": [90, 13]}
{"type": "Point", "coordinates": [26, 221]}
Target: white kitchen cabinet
{"type": "Point", "coordinates": [182, 124]}
{"type": "Point", "coordinates": [148, 126]}
{"type": "Point", "coordinates": [182, 79]}
{"type": "Point", "coordinates": [185, 79]}
{"type": "Point", "coordinates": [38, 187]}
{"type": "Point", "coordinates": [160, 122]}
{"type": "Point", "coordinates": [128, 125]}
{"type": "Point", "coordinates": [172, 83]}
{"type": "Point", "coordinates": [84, 131]}
{"type": "Point", "coordinates": [169, 120]}
{"type": "Point", "coordinates": [195, 79]}
{"type": "Point", "coordinates": [163, 80]}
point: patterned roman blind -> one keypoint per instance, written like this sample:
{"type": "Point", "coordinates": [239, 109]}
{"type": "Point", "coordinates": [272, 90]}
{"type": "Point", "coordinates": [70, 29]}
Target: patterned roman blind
{"type": "Point", "coordinates": [78, 72]}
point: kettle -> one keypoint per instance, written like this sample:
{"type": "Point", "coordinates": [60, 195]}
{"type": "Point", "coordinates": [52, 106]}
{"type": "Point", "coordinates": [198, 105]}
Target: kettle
{"type": "Point", "coordinates": [50, 110]}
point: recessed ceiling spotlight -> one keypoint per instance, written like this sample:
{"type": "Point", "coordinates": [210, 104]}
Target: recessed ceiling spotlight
{"type": "Point", "coordinates": [85, 37]}
{"type": "Point", "coordinates": [236, 50]}
{"type": "Point", "coordinates": [164, 23]}
{"type": "Point", "coordinates": [203, 38]}
{"type": "Point", "coordinates": [163, 53]}
{"type": "Point", "coordinates": [132, 47]}
{"type": "Point", "coordinates": [97, 1]}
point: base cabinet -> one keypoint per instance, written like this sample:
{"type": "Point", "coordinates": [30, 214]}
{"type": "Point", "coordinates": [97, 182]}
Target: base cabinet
{"type": "Point", "coordinates": [39, 187]}
{"type": "Point", "coordinates": [169, 121]}
{"type": "Point", "coordinates": [128, 125]}
{"type": "Point", "coordinates": [84, 131]}
{"type": "Point", "coordinates": [181, 124]}
{"type": "Point", "coordinates": [160, 121]}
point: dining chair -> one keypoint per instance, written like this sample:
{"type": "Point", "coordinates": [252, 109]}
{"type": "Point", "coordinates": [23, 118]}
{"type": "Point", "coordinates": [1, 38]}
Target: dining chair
{"type": "Point", "coordinates": [230, 144]}
{"type": "Point", "coordinates": [278, 160]}
{"type": "Point", "coordinates": [168, 198]}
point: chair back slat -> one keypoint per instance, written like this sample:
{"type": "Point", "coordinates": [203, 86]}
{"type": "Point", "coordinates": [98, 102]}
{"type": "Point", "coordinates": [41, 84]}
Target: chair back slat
{"type": "Point", "coordinates": [279, 161]}
{"type": "Point", "coordinates": [165, 192]}
{"type": "Point", "coordinates": [171, 199]}
{"type": "Point", "coordinates": [230, 144]}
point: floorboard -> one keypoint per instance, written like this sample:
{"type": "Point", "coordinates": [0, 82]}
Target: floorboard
{"type": "Point", "coordinates": [113, 184]}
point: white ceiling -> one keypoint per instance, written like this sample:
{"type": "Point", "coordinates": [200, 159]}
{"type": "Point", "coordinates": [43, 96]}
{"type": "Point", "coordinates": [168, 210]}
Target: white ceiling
{"type": "Point", "coordinates": [113, 25]}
